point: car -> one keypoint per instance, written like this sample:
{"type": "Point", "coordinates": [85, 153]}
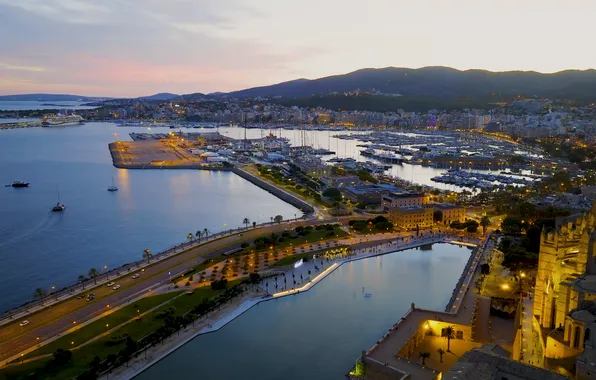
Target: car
{"type": "Point", "coordinates": [116, 287]}
{"type": "Point", "coordinates": [111, 284]}
{"type": "Point", "coordinates": [135, 276]}
{"type": "Point", "coordinates": [24, 323]}
{"type": "Point", "coordinates": [81, 296]}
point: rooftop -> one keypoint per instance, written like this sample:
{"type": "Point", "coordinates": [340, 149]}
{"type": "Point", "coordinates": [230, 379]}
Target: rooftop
{"type": "Point", "coordinates": [396, 195]}
{"type": "Point", "coordinates": [409, 209]}
{"type": "Point", "coordinates": [486, 363]}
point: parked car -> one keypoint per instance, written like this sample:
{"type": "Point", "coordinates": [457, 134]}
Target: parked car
{"type": "Point", "coordinates": [116, 287]}
{"type": "Point", "coordinates": [81, 296]}
{"type": "Point", "coordinates": [110, 284]}
{"type": "Point", "coordinates": [24, 323]}
{"type": "Point", "coordinates": [135, 276]}
{"type": "Point", "coordinates": [90, 297]}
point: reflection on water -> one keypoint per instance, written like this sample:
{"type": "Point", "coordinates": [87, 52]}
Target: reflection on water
{"type": "Point", "coordinates": [320, 333]}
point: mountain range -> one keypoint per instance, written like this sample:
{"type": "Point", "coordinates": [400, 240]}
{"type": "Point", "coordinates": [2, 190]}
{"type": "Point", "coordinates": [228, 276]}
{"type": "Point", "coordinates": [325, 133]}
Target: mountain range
{"type": "Point", "coordinates": [439, 82]}
{"type": "Point", "coordinates": [428, 82]}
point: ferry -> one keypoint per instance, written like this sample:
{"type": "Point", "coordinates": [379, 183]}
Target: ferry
{"type": "Point", "coordinates": [59, 119]}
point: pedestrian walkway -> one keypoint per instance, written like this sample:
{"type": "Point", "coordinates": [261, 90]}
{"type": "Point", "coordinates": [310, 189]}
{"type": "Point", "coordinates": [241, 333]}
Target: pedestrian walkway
{"type": "Point", "coordinates": [481, 325]}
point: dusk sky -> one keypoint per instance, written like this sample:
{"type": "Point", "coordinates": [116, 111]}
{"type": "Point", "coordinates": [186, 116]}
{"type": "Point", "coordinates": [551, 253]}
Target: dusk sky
{"type": "Point", "coordinates": [141, 47]}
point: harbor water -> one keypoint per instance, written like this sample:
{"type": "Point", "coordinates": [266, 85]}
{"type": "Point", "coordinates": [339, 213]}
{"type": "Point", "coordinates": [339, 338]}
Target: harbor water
{"type": "Point", "coordinates": [152, 209]}
{"type": "Point", "coordinates": [320, 333]}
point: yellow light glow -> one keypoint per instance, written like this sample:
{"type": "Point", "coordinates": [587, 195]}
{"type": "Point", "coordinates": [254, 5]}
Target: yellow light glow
{"type": "Point", "coordinates": [505, 287]}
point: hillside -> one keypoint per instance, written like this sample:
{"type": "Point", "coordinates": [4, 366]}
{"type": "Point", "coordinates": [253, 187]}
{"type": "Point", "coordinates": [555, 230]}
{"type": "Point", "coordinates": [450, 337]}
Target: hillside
{"type": "Point", "coordinates": [441, 82]}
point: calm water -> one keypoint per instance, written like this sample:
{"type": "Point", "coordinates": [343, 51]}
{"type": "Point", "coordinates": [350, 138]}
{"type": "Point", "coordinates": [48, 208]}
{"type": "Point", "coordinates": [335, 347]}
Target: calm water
{"type": "Point", "coordinates": [34, 105]}
{"type": "Point", "coordinates": [153, 209]}
{"type": "Point", "coordinates": [320, 333]}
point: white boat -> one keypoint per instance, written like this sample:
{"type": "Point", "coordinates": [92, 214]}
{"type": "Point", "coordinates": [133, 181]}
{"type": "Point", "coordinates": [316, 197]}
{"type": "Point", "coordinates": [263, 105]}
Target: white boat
{"type": "Point", "coordinates": [59, 119]}
{"type": "Point", "coordinates": [113, 187]}
{"type": "Point", "coordinates": [59, 206]}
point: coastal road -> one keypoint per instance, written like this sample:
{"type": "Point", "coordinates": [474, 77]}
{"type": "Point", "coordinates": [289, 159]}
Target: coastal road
{"type": "Point", "coordinates": [152, 276]}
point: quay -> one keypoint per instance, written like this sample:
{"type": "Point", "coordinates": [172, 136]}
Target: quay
{"type": "Point", "coordinates": [395, 355]}
{"type": "Point", "coordinates": [21, 124]}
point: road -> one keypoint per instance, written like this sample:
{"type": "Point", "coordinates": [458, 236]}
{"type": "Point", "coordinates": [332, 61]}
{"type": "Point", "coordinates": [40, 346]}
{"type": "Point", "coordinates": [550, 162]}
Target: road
{"type": "Point", "coordinates": [152, 276]}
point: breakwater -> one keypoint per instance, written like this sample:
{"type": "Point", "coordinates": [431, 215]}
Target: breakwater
{"type": "Point", "coordinates": [281, 194]}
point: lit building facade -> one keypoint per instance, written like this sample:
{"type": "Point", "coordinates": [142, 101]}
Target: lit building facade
{"type": "Point", "coordinates": [409, 217]}
{"type": "Point", "coordinates": [450, 213]}
{"type": "Point", "coordinates": [565, 294]}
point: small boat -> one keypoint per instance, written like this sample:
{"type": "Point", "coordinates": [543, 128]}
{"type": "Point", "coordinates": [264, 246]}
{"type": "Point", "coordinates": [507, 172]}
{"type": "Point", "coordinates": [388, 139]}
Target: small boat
{"type": "Point", "coordinates": [20, 184]}
{"type": "Point", "coordinates": [367, 295]}
{"type": "Point", "coordinates": [59, 207]}
{"type": "Point", "coordinates": [113, 187]}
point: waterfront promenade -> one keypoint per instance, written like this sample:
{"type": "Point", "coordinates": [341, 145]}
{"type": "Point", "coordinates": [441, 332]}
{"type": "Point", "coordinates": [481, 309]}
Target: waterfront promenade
{"type": "Point", "coordinates": [380, 245]}
{"type": "Point", "coordinates": [52, 321]}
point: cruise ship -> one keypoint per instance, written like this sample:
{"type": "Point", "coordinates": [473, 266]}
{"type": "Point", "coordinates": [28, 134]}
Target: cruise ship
{"type": "Point", "coordinates": [59, 119]}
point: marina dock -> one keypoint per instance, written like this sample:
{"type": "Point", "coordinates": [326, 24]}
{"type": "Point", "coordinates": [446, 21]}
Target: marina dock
{"type": "Point", "coordinates": [22, 124]}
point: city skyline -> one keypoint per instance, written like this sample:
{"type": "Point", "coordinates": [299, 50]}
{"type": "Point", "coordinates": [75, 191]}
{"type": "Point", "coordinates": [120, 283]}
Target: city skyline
{"type": "Point", "coordinates": [120, 49]}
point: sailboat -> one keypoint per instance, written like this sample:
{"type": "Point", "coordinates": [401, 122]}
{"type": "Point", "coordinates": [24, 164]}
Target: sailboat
{"type": "Point", "coordinates": [59, 206]}
{"type": "Point", "coordinates": [113, 187]}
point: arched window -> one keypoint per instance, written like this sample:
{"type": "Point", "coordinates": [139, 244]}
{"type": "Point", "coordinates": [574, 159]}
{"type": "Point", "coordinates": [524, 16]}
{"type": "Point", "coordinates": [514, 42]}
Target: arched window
{"type": "Point", "coordinates": [586, 336]}
{"type": "Point", "coordinates": [576, 337]}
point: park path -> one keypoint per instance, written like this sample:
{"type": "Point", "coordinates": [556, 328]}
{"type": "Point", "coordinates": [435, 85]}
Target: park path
{"type": "Point", "coordinates": [481, 326]}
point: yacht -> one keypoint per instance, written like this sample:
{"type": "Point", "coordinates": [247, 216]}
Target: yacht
{"type": "Point", "coordinates": [113, 187]}
{"type": "Point", "coordinates": [20, 184]}
{"type": "Point", "coordinates": [59, 207]}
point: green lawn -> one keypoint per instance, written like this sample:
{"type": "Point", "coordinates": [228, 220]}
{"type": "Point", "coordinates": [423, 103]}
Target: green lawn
{"type": "Point", "coordinates": [289, 260]}
{"type": "Point", "coordinates": [313, 237]}
{"type": "Point", "coordinates": [137, 329]}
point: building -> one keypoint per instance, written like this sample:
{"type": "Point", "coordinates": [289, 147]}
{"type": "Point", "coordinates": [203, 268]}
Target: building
{"type": "Point", "coordinates": [396, 199]}
{"type": "Point", "coordinates": [450, 213]}
{"type": "Point", "coordinates": [368, 194]}
{"type": "Point", "coordinates": [490, 362]}
{"type": "Point", "coordinates": [565, 295]}
{"type": "Point", "coordinates": [409, 217]}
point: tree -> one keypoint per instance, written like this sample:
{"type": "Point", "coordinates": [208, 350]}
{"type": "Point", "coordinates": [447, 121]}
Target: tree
{"type": "Point", "coordinates": [246, 222]}
{"type": "Point", "coordinates": [93, 273]}
{"type": "Point", "coordinates": [485, 223]}
{"type": "Point", "coordinates": [512, 225]}
{"type": "Point", "coordinates": [278, 218]}
{"type": "Point", "coordinates": [254, 224]}
{"type": "Point", "coordinates": [199, 234]}
{"type": "Point", "coordinates": [40, 294]}
{"type": "Point", "coordinates": [82, 280]}
{"type": "Point", "coordinates": [254, 277]}
{"type": "Point", "coordinates": [333, 194]}
{"type": "Point", "coordinates": [206, 232]}
{"type": "Point", "coordinates": [147, 255]}
{"type": "Point", "coordinates": [472, 229]}
{"type": "Point", "coordinates": [441, 353]}
{"type": "Point", "coordinates": [485, 269]}
{"type": "Point", "coordinates": [449, 333]}
{"type": "Point", "coordinates": [61, 356]}
{"type": "Point", "coordinates": [424, 356]}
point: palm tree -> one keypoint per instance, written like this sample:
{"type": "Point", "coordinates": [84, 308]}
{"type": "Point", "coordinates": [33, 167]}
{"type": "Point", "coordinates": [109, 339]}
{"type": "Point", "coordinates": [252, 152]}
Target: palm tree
{"type": "Point", "coordinates": [271, 219]}
{"type": "Point", "coordinates": [147, 255]}
{"type": "Point", "coordinates": [199, 234]}
{"type": "Point", "coordinates": [93, 273]}
{"type": "Point", "coordinates": [41, 294]}
{"type": "Point", "coordinates": [190, 236]}
{"type": "Point", "coordinates": [441, 353]}
{"type": "Point", "coordinates": [82, 280]}
{"type": "Point", "coordinates": [246, 222]}
{"type": "Point", "coordinates": [278, 218]}
{"type": "Point", "coordinates": [449, 334]}
{"type": "Point", "coordinates": [424, 356]}
{"type": "Point", "coordinates": [254, 224]}
{"type": "Point", "coordinates": [485, 222]}
{"type": "Point", "coordinates": [206, 233]}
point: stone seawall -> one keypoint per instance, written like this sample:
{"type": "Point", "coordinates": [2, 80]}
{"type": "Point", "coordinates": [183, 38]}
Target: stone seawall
{"type": "Point", "coordinates": [283, 195]}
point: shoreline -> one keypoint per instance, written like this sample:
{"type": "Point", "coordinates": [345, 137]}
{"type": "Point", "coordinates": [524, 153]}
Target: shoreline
{"type": "Point", "coordinates": [249, 304]}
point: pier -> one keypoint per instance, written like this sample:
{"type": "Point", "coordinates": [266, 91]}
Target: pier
{"type": "Point", "coordinates": [21, 124]}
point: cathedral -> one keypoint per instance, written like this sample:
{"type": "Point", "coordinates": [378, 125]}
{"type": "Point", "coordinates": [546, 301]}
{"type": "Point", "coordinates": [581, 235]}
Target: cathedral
{"type": "Point", "coordinates": [565, 296]}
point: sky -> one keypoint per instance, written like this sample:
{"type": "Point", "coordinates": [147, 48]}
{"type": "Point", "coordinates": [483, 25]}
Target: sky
{"type": "Point", "coordinates": [126, 48]}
